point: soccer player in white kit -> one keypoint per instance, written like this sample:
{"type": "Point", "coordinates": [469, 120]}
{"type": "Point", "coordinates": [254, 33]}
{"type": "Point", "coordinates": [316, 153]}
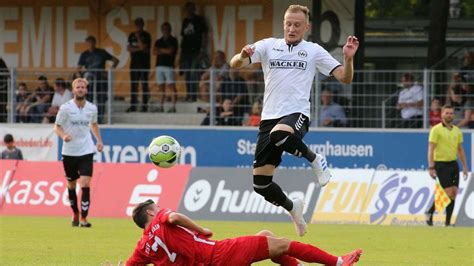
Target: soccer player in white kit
{"type": "Point", "coordinates": [289, 66]}
{"type": "Point", "coordinates": [74, 122]}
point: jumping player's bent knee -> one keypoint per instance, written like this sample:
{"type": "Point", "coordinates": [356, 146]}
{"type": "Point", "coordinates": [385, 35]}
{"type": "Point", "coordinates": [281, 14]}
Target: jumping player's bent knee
{"type": "Point", "coordinates": [277, 137]}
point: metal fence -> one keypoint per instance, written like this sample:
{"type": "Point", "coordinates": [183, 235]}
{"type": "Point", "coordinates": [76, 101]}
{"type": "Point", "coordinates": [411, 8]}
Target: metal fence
{"type": "Point", "coordinates": [226, 97]}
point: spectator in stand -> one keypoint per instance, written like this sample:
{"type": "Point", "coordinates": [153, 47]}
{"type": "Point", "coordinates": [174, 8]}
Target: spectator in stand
{"type": "Point", "coordinates": [224, 115]}
{"type": "Point", "coordinates": [255, 86]}
{"type": "Point", "coordinates": [467, 69]}
{"type": "Point", "coordinates": [255, 115]}
{"type": "Point", "coordinates": [61, 96]}
{"type": "Point", "coordinates": [139, 45]}
{"type": "Point", "coordinates": [194, 40]}
{"type": "Point", "coordinates": [12, 152]}
{"type": "Point", "coordinates": [234, 88]}
{"type": "Point", "coordinates": [4, 75]}
{"type": "Point", "coordinates": [23, 100]}
{"type": "Point", "coordinates": [91, 66]}
{"type": "Point", "coordinates": [41, 100]}
{"type": "Point", "coordinates": [410, 103]}
{"type": "Point", "coordinates": [332, 114]}
{"type": "Point", "coordinates": [165, 50]}
{"type": "Point", "coordinates": [227, 115]}
{"type": "Point", "coordinates": [435, 112]}
{"type": "Point", "coordinates": [221, 71]}
{"type": "Point", "coordinates": [459, 98]}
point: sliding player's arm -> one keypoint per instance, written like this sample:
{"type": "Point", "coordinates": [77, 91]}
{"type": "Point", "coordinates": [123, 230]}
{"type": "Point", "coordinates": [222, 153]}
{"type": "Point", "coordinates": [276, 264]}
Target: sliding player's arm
{"type": "Point", "coordinates": [184, 221]}
{"type": "Point", "coordinates": [243, 58]}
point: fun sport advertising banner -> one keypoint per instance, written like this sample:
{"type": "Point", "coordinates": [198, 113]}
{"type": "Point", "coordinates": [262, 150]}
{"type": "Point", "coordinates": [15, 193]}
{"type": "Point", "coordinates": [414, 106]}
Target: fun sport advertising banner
{"type": "Point", "coordinates": [224, 147]}
{"type": "Point", "coordinates": [387, 198]}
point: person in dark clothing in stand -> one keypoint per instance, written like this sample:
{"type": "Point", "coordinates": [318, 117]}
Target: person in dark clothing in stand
{"type": "Point", "coordinates": [165, 49]}
{"type": "Point", "coordinates": [194, 39]}
{"type": "Point", "coordinates": [139, 45]}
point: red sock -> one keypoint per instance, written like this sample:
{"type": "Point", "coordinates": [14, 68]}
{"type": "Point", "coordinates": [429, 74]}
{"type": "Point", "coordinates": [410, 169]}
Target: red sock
{"type": "Point", "coordinates": [286, 260]}
{"type": "Point", "coordinates": [310, 253]}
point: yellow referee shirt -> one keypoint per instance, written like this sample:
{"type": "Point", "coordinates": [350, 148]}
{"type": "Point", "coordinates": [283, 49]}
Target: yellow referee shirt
{"type": "Point", "coordinates": [447, 142]}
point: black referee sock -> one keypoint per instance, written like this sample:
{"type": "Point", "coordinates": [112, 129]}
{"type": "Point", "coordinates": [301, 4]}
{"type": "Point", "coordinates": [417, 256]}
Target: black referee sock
{"type": "Point", "coordinates": [449, 212]}
{"type": "Point", "coordinates": [85, 202]}
{"type": "Point", "coordinates": [73, 200]}
{"type": "Point", "coordinates": [292, 144]}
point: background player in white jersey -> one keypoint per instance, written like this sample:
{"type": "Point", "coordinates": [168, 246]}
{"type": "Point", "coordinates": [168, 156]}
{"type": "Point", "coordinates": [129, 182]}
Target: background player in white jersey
{"type": "Point", "coordinates": [289, 66]}
{"type": "Point", "coordinates": [73, 125]}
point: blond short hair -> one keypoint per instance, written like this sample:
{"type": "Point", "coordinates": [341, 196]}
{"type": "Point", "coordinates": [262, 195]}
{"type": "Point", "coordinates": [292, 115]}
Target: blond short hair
{"type": "Point", "coordinates": [74, 82]}
{"type": "Point", "coordinates": [299, 8]}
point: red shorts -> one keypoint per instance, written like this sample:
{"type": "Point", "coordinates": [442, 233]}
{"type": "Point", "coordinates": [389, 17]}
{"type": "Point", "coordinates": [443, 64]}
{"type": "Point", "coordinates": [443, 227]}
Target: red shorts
{"type": "Point", "coordinates": [238, 251]}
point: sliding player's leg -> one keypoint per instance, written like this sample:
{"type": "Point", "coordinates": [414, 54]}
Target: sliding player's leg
{"type": "Point", "coordinates": [278, 247]}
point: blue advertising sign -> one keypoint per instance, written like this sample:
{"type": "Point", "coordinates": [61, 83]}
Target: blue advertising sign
{"type": "Point", "coordinates": [235, 148]}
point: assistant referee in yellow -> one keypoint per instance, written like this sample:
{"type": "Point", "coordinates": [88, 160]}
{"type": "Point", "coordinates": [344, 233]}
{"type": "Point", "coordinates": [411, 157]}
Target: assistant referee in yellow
{"type": "Point", "coordinates": [445, 145]}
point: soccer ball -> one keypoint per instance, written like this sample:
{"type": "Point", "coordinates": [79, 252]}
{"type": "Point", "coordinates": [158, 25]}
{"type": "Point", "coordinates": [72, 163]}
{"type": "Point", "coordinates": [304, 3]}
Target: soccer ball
{"type": "Point", "coordinates": [164, 151]}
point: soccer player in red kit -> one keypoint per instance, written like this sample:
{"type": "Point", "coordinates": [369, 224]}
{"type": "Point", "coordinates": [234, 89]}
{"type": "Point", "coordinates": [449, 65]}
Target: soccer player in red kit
{"type": "Point", "coordinates": [171, 238]}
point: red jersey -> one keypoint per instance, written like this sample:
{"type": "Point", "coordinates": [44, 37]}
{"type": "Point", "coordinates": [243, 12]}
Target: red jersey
{"type": "Point", "coordinates": [435, 118]}
{"type": "Point", "coordinates": [165, 244]}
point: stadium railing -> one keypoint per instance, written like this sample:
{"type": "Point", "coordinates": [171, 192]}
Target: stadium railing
{"type": "Point", "coordinates": [370, 101]}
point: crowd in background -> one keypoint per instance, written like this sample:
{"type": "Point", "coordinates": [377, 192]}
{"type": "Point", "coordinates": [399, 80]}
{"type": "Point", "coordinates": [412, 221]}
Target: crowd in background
{"type": "Point", "coordinates": [239, 96]}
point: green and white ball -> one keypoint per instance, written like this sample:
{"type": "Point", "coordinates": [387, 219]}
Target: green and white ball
{"type": "Point", "coordinates": [164, 151]}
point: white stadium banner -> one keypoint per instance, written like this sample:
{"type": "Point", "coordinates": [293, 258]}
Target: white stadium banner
{"type": "Point", "coordinates": [37, 142]}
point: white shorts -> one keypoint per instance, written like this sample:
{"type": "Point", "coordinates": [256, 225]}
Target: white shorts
{"type": "Point", "coordinates": [164, 75]}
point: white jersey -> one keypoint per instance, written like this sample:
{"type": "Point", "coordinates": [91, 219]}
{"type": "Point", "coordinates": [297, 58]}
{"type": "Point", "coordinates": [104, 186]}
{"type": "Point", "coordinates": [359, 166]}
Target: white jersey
{"type": "Point", "coordinates": [289, 72]}
{"type": "Point", "coordinates": [76, 122]}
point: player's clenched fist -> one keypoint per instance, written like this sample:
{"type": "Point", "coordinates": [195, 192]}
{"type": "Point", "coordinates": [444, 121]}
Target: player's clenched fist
{"type": "Point", "coordinates": [67, 138]}
{"type": "Point", "coordinates": [350, 48]}
{"type": "Point", "coordinates": [247, 51]}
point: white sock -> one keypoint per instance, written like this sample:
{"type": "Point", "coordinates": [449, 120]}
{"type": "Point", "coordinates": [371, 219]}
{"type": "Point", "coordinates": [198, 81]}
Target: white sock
{"type": "Point", "coordinates": [339, 261]}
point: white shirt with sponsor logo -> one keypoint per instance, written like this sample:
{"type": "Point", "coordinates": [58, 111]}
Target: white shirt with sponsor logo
{"type": "Point", "coordinates": [289, 72]}
{"type": "Point", "coordinates": [76, 122]}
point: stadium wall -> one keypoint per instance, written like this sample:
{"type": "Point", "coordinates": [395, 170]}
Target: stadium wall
{"type": "Point", "coordinates": [50, 34]}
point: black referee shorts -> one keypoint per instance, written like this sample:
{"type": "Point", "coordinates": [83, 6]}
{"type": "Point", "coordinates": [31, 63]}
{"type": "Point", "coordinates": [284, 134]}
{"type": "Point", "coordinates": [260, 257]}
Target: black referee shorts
{"type": "Point", "coordinates": [448, 173]}
{"type": "Point", "coordinates": [76, 166]}
{"type": "Point", "coordinates": [266, 152]}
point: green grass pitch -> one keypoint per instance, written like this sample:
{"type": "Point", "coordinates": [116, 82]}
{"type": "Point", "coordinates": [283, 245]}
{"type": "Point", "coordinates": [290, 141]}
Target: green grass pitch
{"type": "Point", "coordinates": [52, 241]}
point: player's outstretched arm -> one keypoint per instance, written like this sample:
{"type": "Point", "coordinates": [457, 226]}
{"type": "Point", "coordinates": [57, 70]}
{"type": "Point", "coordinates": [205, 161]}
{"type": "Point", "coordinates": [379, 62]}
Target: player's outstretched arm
{"type": "Point", "coordinates": [345, 72]}
{"type": "Point", "coordinates": [242, 58]}
{"type": "Point", "coordinates": [176, 218]}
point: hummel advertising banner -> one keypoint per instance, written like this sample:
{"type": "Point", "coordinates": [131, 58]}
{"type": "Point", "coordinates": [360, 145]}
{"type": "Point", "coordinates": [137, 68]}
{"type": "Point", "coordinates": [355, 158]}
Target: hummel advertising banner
{"type": "Point", "coordinates": [227, 194]}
